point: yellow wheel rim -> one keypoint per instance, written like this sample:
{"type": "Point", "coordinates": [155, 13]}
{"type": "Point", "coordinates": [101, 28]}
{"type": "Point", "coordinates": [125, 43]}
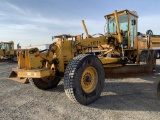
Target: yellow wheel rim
{"type": "Point", "coordinates": [89, 79]}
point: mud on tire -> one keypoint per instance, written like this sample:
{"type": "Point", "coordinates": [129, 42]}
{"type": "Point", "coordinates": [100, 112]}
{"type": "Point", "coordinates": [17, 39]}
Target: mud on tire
{"type": "Point", "coordinates": [78, 75]}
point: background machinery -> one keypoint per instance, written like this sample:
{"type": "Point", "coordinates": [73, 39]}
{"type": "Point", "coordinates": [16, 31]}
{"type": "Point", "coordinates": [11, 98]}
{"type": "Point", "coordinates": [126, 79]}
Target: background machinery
{"type": "Point", "coordinates": [154, 42]}
{"type": "Point", "coordinates": [82, 61]}
{"type": "Point", "coordinates": [7, 50]}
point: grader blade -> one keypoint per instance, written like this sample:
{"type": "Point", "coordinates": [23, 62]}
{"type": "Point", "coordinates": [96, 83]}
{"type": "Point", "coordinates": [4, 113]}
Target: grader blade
{"type": "Point", "coordinates": [127, 71]}
{"type": "Point", "coordinates": [158, 90]}
{"type": "Point", "coordinates": [13, 76]}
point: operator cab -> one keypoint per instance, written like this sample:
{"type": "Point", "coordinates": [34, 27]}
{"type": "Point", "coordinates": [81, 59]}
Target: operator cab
{"type": "Point", "coordinates": [128, 26]}
{"type": "Point", "coordinates": [6, 46]}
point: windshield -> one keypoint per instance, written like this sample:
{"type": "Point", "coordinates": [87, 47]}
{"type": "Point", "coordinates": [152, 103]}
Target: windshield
{"type": "Point", "coordinates": [123, 22]}
{"type": "Point", "coordinates": [6, 46]}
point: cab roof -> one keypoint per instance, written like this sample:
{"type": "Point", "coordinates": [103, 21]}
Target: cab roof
{"type": "Point", "coordinates": [122, 12]}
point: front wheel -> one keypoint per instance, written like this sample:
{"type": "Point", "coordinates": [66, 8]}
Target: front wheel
{"type": "Point", "coordinates": [84, 79]}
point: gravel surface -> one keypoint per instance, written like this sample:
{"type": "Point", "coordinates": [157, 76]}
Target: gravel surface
{"type": "Point", "coordinates": [122, 99]}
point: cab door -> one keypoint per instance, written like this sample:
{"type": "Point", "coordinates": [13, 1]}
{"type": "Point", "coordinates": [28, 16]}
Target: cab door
{"type": "Point", "coordinates": [132, 29]}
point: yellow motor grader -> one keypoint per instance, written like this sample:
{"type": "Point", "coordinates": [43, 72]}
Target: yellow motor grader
{"type": "Point", "coordinates": [81, 62]}
{"type": "Point", "coordinates": [7, 50]}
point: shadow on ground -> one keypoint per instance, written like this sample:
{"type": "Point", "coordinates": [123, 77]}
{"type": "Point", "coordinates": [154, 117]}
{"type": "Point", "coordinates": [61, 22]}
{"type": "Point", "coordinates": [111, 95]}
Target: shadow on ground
{"type": "Point", "coordinates": [132, 96]}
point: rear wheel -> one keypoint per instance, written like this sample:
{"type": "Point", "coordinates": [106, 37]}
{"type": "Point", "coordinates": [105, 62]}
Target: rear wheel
{"type": "Point", "coordinates": [149, 61]}
{"type": "Point", "coordinates": [45, 83]}
{"type": "Point", "coordinates": [145, 57]}
{"type": "Point", "coordinates": [84, 79]}
{"type": "Point", "coordinates": [149, 58]}
{"type": "Point", "coordinates": [153, 59]}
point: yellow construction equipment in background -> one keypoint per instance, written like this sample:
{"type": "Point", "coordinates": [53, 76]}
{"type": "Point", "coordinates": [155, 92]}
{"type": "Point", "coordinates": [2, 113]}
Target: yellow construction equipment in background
{"type": "Point", "coordinates": [7, 50]}
{"type": "Point", "coordinates": [82, 61]}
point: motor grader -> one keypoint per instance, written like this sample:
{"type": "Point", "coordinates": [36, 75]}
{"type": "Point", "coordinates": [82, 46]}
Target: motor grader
{"type": "Point", "coordinates": [7, 51]}
{"type": "Point", "coordinates": [81, 62]}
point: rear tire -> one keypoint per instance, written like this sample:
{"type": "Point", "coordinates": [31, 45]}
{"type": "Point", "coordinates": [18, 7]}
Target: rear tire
{"type": "Point", "coordinates": [149, 61]}
{"type": "Point", "coordinates": [40, 83]}
{"type": "Point", "coordinates": [153, 59]}
{"type": "Point", "coordinates": [84, 79]}
{"type": "Point", "coordinates": [149, 58]}
{"type": "Point", "coordinates": [145, 57]}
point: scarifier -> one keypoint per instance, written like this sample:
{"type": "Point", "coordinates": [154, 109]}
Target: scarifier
{"type": "Point", "coordinates": [82, 61]}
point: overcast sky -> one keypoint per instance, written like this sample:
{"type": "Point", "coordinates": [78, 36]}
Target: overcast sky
{"type": "Point", "coordinates": [35, 21]}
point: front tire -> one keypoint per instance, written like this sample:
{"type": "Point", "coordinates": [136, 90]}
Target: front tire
{"type": "Point", "coordinates": [84, 79]}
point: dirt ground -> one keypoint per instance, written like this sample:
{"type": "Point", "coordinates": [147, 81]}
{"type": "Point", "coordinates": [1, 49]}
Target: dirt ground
{"type": "Point", "coordinates": [122, 99]}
